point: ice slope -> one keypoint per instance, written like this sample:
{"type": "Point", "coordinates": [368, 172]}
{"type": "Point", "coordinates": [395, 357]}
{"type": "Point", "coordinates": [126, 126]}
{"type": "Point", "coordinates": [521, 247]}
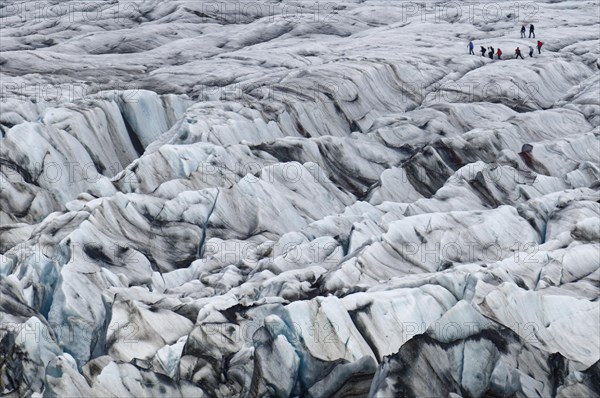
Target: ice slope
{"type": "Point", "coordinates": [299, 199]}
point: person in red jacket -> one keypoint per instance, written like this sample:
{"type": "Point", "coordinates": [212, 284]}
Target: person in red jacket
{"type": "Point", "coordinates": [539, 47]}
{"type": "Point", "coordinates": [499, 54]}
{"type": "Point", "coordinates": [518, 53]}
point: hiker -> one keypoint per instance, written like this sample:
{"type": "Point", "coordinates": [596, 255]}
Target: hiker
{"type": "Point", "coordinates": [531, 31]}
{"type": "Point", "coordinates": [523, 32]}
{"type": "Point", "coordinates": [539, 47]}
{"type": "Point", "coordinates": [491, 52]}
{"type": "Point", "coordinates": [471, 47]}
{"type": "Point", "coordinates": [499, 54]}
{"type": "Point", "coordinates": [530, 51]}
{"type": "Point", "coordinates": [518, 53]}
{"type": "Point", "coordinates": [483, 50]}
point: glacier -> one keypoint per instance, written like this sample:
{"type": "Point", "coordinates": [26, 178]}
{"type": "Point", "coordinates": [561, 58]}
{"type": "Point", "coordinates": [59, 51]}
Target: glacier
{"type": "Point", "coordinates": [299, 199]}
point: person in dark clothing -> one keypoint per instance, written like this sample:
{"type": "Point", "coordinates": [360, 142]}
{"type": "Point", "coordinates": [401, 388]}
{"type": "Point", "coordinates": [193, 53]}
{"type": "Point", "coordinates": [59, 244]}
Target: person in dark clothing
{"type": "Point", "coordinates": [499, 54]}
{"type": "Point", "coordinates": [518, 53]}
{"type": "Point", "coordinates": [539, 46]}
{"type": "Point", "coordinates": [491, 52]}
{"type": "Point", "coordinates": [523, 32]}
{"type": "Point", "coordinates": [471, 47]}
{"type": "Point", "coordinates": [483, 50]}
{"type": "Point", "coordinates": [531, 31]}
{"type": "Point", "coordinates": [530, 51]}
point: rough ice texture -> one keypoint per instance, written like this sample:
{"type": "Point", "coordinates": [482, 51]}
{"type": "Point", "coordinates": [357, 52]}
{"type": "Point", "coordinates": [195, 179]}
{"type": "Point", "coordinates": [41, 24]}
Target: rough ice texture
{"type": "Point", "coordinates": [265, 203]}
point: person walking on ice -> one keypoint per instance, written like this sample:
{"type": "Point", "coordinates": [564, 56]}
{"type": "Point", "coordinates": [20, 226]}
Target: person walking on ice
{"type": "Point", "coordinates": [531, 31]}
{"type": "Point", "coordinates": [523, 32]}
{"type": "Point", "coordinates": [499, 54]}
{"type": "Point", "coordinates": [491, 52]}
{"type": "Point", "coordinates": [518, 53]}
{"type": "Point", "coordinates": [471, 47]}
{"type": "Point", "coordinates": [483, 50]}
{"type": "Point", "coordinates": [531, 51]}
{"type": "Point", "coordinates": [539, 46]}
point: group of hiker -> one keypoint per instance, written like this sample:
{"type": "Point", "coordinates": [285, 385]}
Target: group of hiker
{"type": "Point", "coordinates": [498, 52]}
{"type": "Point", "coordinates": [531, 31]}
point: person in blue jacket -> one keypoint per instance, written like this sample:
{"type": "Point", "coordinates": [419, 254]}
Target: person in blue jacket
{"type": "Point", "coordinates": [471, 47]}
